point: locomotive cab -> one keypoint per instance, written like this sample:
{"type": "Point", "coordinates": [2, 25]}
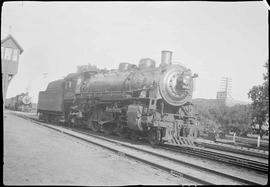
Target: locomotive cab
{"type": "Point", "coordinates": [70, 86]}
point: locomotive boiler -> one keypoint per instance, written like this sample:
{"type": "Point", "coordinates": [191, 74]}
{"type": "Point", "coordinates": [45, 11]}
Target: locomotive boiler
{"type": "Point", "coordinates": [141, 101]}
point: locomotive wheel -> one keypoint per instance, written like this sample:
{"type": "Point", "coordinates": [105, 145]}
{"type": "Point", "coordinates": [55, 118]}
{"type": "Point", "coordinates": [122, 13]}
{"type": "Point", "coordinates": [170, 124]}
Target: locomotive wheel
{"type": "Point", "coordinates": [53, 121]}
{"type": "Point", "coordinates": [133, 136]}
{"type": "Point", "coordinates": [70, 121]}
{"type": "Point", "coordinates": [124, 133]}
{"type": "Point", "coordinates": [212, 136]}
{"type": "Point", "coordinates": [95, 126]}
{"type": "Point", "coordinates": [50, 118]}
{"type": "Point", "coordinates": [46, 118]}
{"type": "Point", "coordinates": [119, 128]}
{"type": "Point", "coordinates": [39, 116]}
{"type": "Point", "coordinates": [154, 137]}
{"type": "Point", "coordinates": [109, 128]}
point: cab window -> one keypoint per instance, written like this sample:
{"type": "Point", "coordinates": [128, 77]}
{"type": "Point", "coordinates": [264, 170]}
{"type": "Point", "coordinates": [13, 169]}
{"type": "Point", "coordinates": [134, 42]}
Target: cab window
{"type": "Point", "coordinates": [68, 85]}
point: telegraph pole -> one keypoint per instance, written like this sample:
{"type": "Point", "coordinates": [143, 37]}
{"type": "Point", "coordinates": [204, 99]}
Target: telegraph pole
{"type": "Point", "coordinates": [225, 89]}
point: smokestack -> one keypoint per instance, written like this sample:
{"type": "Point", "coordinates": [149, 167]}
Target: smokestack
{"type": "Point", "coordinates": [166, 58]}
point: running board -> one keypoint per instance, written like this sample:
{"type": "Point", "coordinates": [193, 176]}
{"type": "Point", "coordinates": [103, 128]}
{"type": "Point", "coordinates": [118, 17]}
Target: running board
{"type": "Point", "coordinates": [104, 122]}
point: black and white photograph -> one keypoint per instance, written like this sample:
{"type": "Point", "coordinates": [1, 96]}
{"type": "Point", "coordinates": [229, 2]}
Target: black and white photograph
{"type": "Point", "coordinates": [120, 93]}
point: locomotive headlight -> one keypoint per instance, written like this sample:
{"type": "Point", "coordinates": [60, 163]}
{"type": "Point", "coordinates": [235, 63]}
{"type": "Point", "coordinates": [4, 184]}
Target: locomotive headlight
{"type": "Point", "coordinates": [186, 79]}
{"type": "Point", "coordinates": [26, 100]}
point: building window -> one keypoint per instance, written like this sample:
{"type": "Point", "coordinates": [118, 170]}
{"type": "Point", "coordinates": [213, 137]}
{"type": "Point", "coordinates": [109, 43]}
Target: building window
{"type": "Point", "coordinates": [15, 54]}
{"type": "Point", "coordinates": [2, 52]}
{"type": "Point", "coordinates": [8, 52]}
{"type": "Point", "coordinates": [10, 77]}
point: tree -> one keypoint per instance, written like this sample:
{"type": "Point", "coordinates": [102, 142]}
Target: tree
{"type": "Point", "coordinates": [260, 100]}
{"type": "Point", "coordinates": [219, 117]}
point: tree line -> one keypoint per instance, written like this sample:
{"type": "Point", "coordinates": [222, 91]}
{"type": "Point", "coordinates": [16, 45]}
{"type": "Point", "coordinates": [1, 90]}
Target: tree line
{"type": "Point", "coordinates": [216, 116]}
{"type": "Point", "coordinates": [219, 117]}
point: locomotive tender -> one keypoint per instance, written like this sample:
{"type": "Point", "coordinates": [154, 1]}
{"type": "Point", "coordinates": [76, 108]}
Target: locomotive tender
{"type": "Point", "coordinates": [137, 101]}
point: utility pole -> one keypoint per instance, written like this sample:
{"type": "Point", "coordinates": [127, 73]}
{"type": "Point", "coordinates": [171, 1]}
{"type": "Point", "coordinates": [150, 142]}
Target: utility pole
{"type": "Point", "coordinates": [225, 89]}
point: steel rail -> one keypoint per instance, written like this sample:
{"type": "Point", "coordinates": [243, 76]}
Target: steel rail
{"type": "Point", "coordinates": [189, 177]}
{"type": "Point", "coordinates": [239, 141]}
{"type": "Point", "coordinates": [233, 150]}
{"type": "Point", "coordinates": [244, 181]}
{"type": "Point", "coordinates": [237, 161]}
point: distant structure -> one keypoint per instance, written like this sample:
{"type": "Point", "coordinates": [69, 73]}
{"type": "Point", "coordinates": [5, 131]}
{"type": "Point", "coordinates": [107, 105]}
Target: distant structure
{"type": "Point", "coordinates": [10, 53]}
{"type": "Point", "coordinates": [225, 90]}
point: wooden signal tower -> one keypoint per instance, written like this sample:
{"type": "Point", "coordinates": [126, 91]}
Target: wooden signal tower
{"type": "Point", "coordinates": [10, 53]}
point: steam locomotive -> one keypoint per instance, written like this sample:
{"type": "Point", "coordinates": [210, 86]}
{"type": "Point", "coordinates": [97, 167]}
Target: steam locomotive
{"type": "Point", "coordinates": [141, 101]}
{"type": "Point", "coordinates": [21, 102]}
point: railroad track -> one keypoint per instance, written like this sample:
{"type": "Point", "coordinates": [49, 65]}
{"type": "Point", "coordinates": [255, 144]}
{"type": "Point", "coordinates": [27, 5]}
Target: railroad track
{"type": "Point", "coordinates": [195, 173]}
{"type": "Point", "coordinates": [244, 142]}
{"type": "Point", "coordinates": [237, 161]}
{"type": "Point", "coordinates": [240, 150]}
{"type": "Point", "coordinates": [251, 141]}
{"type": "Point", "coordinates": [248, 145]}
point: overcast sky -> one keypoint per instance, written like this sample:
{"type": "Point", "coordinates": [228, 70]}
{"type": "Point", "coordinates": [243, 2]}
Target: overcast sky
{"type": "Point", "coordinates": [213, 39]}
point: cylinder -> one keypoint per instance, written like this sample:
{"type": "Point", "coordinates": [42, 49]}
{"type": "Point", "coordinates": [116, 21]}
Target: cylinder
{"type": "Point", "coordinates": [166, 58]}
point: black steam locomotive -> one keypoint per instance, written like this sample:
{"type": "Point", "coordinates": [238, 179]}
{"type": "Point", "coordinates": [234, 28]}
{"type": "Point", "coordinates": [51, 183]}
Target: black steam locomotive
{"type": "Point", "coordinates": [137, 101]}
{"type": "Point", "coordinates": [21, 102]}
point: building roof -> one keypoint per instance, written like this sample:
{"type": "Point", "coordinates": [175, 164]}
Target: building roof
{"type": "Point", "coordinates": [13, 39]}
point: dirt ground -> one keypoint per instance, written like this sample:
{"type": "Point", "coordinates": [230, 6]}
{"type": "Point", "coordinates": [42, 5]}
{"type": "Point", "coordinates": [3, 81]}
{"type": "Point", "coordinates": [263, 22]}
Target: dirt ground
{"type": "Point", "coordinates": [36, 155]}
